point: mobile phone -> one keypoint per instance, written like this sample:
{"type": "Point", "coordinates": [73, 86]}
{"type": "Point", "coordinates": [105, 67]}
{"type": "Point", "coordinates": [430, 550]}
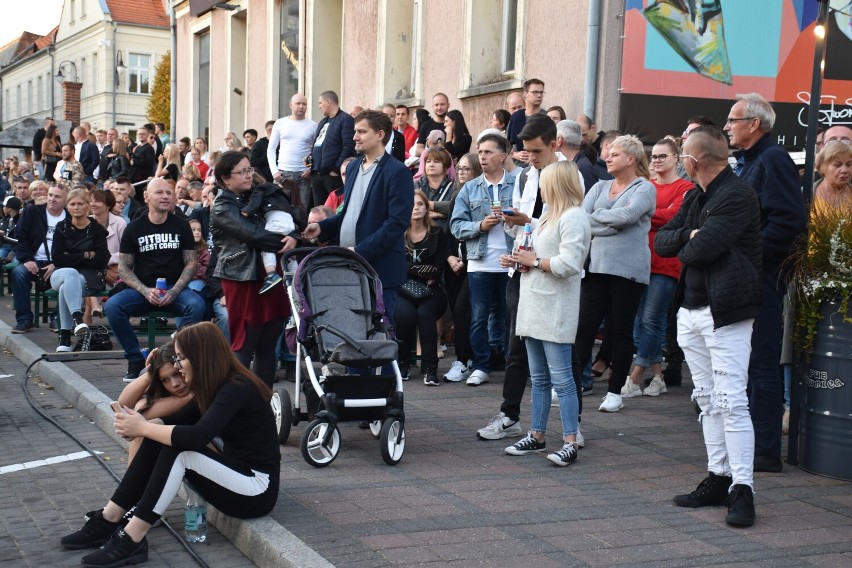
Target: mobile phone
{"type": "Point", "coordinates": [116, 407]}
{"type": "Point", "coordinates": [509, 212]}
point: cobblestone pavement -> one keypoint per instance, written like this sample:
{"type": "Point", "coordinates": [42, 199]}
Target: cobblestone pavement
{"type": "Point", "coordinates": [456, 501]}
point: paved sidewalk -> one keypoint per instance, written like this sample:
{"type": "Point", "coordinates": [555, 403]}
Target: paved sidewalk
{"type": "Point", "coordinates": [458, 501]}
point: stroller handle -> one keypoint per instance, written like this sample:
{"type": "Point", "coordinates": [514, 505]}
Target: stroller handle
{"type": "Point", "coordinates": [301, 252]}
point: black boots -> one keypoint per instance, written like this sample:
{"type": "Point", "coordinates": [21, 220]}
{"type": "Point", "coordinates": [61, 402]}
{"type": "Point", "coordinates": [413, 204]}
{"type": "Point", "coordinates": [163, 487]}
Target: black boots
{"type": "Point", "coordinates": [712, 491]}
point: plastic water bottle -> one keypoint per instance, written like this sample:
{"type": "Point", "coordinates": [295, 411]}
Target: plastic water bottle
{"type": "Point", "coordinates": [527, 245]}
{"type": "Point", "coordinates": [194, 516]}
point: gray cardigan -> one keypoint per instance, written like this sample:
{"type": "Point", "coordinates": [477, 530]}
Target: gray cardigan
{"type": "Point", "coordinates": [549, 302]}
{"type": "Point", "coordinates": [620, 229]}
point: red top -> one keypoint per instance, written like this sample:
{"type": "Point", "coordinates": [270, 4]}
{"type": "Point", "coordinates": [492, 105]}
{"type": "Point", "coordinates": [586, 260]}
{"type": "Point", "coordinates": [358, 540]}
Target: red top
{"type": "Point", "coordinates": [669, 200]}
{"type": "Point", "coordinates": [410, 137]}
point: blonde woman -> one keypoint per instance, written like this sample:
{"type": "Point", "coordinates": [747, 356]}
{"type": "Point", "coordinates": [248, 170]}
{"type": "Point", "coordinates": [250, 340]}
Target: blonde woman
{"type": "Point", "coordinates": [552, 286]}
{"type": "Point", "coordinates": [168, 164]}
{"type": "Point", "coordinates": [620, 213]}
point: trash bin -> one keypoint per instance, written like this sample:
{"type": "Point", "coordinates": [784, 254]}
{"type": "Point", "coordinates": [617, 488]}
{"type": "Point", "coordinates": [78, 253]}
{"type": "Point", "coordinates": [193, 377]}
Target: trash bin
{"type": "Point", "coordinates": [825, 418]}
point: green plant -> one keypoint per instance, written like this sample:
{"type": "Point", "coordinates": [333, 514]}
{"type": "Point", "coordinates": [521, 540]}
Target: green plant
{"type": "Point", "coordinates": [823, 269]}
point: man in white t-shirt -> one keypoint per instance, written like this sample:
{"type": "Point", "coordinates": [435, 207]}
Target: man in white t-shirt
{"type": "Point", "coordinates": [478, 220]}
{"type": "Point", "coordinates": [292, 137]}
{"type": "Point", "coordinates": [35, 239]}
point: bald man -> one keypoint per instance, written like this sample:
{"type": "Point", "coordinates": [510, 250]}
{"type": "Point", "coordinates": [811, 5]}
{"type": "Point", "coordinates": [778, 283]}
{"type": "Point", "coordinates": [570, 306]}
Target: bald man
{"type": "Point", "coordinates": [290, 142]}
{"type": "Point", "coordinates": [514, 102]}
{"type": "Point", "coordinates": [838, 134]}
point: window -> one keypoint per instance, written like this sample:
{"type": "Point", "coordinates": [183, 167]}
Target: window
{"type": "Point", "coordinates": [139, 73]}
{"type": "Point", "coordinates": [398, 68]}
{"type": "Point", "coordinates": [288, 66]}
{"type": "Point", "coordinates": [95, 87]}
{"type": "Point", "coordinates": [509, 35]}
{"type": "Point", "coordinates": [492, 58]}
{"type": "Point", "coordinates": [18, 104]}
{"type": "Point", "coordinates": [203, 50]}
{"type": "Point", "coordinates": [39, 94]}
{"type": "Point", "coordinates": [82, 76]}
{"type": "Point", "coordinates": [30, 101]}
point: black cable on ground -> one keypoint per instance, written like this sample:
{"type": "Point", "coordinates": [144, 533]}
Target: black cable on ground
{"type": "Point", "coordinates": [106, 466]}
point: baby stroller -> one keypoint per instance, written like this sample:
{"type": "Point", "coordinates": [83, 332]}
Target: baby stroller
{"type": "Point", "coordinates": [337, 307]}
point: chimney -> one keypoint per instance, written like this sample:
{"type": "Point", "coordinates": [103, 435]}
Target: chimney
{"type": "Point", "coordinates": [71, 101]}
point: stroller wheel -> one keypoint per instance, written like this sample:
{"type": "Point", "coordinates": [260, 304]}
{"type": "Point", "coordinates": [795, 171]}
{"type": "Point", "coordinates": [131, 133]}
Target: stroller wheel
{"type": "Point", "coordinates": [315, 452]}
{"type": "Point", "coordinates": [282, 408]}
{"type": "Point", "coordinates": [391, 450]}
{"type": "Point", "coordinates": [376, 428]}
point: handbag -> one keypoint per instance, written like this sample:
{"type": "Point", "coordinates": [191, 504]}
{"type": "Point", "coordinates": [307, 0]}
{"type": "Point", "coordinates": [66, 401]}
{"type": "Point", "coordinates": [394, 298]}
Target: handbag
{"type": "Point", "coordinates": [96, 339]}
{"type": "Point", "coordinates": [95, 279]}
{"type": "Point", "coordinates": [415, 290]}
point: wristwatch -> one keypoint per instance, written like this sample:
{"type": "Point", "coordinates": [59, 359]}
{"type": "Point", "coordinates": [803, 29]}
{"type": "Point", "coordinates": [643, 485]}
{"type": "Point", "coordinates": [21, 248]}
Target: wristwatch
{"type": "Point", "coordinates": [537, 264]}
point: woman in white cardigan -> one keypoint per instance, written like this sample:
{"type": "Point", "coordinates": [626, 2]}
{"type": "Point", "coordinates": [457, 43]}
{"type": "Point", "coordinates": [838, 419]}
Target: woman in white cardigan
{"type": "Point", "coordinates": [549, 305]}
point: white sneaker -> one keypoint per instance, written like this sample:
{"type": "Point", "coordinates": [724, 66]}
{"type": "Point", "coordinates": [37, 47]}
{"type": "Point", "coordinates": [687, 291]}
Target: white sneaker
{"type": "Point", "coordinates": [611, 403]}
{"type": "Point", "coordinates": [581, 441]}
{"type": "Point", "coordinates": [630, 389]}
{"type": "Point", "coordinates": [656, 387]}
{"type": "Point", "coordinates": [476, 378]}
{"type": "Point", "coordinates": [499, 427]}
{"type": "Point", "coordinates": [457, 373]}
{"type": "Point", "coordinates": [554, 398]}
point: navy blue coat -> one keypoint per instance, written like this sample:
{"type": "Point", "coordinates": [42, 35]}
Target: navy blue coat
{"type": "Point", "coordinates": [384, 217]}
{"type": "Point", "coordinates": [89, 157]}
{"type": "Point", "coordinates": [31, 232]}
{"type": "Point", "coordinates": [337, 145]}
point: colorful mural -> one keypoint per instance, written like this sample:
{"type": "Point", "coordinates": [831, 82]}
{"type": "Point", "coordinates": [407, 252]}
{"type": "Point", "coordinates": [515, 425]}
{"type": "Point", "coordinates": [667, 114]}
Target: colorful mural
{"type": "Point", "coordinates": [687, 57]}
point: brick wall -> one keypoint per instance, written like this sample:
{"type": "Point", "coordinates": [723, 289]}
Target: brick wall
{"type": "Point", "coordinates": [71, 101]}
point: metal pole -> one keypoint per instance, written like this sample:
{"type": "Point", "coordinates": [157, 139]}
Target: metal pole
{"type": "Point", "coordinates": [114, 76]}
{"type": "Point", "coordinates": [590, 90]}
{"type": "Point", "coordinates": [173, 73]}
{"type": "Point", "coordinates": [807, 191]}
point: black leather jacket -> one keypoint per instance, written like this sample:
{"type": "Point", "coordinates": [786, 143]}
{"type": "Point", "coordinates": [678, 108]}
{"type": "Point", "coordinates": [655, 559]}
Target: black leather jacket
{"type": "Point", "coordinates": [239, 240]}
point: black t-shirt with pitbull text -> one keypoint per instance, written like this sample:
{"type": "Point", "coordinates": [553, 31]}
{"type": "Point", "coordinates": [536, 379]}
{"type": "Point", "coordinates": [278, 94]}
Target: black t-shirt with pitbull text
{"type": "Point", "coordinates": [157, 249]}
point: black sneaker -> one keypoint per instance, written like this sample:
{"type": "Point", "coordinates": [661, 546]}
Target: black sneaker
{"type": "Point", "coordinates": [134, 369]}
{"type": "Point", "coordinates": [119, 550]}
{"type": "Point", "coordinates": [767, 464]}
{"type": "Point", "coordinates": [23, 327]}
{"type": "Point", "coordinates": [270, 282]}
{"type": "Point", "coordinates": [80, 327]}
{"type": "Point", "coordinates": [740, 504]}
{"type": "Point", "coordinates": [525, 445]}
{"type": "Point", "coordinates": [566, 456]}
{"type": "Point", "coordinates": [404, 370]}
{"type": "Point", "coordinates": [64, 341]}
{"type": "Point", "coordinates": [430, 378]}
{"type": "Point", "coordinates": [95, 532]}
{"type": "Point", "coordinates": [588, 390]}
{"type": "Point", "coordinates": [712, 491]}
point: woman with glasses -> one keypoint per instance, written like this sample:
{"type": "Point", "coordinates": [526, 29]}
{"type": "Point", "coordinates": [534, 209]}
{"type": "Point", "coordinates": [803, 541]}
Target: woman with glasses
{"type": "Point", "coordinates": [620, 213]}
{"type": "Point", "coordinates": [649, 330]}
{"type": "Point", "coordinates": [224, 442]}
{"type": "Point", "coordinates": [255, 322]}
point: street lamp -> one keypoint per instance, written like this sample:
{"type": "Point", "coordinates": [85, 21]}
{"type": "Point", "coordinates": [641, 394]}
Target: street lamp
{"type": "Point", "coordinates": [69, 66]}
{"type": "Point", "coordinates": [120, 68]}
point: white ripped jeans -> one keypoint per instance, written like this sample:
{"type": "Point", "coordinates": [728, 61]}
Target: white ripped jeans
{"type": "Point", "coordinates": [718, 359]}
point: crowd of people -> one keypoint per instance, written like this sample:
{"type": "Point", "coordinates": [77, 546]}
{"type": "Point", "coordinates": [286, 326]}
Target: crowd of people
{"type": "Point", "coordinates": [531, 241]}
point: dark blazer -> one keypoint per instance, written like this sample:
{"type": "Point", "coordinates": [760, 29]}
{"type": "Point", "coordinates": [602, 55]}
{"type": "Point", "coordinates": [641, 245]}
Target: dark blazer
{"type": "Point", "coordinates": [31, 232]}
{"type": "Point", "coordinates": [337, 145]}
{"type": "Point", "coordinates": [398, 146]}
{"type": "Point", "coordinates": [89, 157]}
{"type": "Point", "coordinates": [383, 220]}
{"type": "Point", "coordinates": [258, 160]}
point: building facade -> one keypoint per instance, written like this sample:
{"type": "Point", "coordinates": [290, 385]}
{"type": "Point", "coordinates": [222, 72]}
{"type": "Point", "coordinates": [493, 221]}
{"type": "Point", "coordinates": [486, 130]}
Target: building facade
{"type": "Point", "coordinates": [240, 61]}
{"type": "Point", "coordinates": [107, 49]}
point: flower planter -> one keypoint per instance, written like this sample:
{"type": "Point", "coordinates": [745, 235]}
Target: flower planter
{"type": "Point", "coordinates": [825, 417]}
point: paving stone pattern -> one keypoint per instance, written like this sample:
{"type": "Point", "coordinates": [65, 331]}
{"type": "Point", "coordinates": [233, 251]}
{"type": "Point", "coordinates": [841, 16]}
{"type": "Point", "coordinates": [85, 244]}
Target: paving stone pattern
{"type": "Point", "coordinates": [458, 501]}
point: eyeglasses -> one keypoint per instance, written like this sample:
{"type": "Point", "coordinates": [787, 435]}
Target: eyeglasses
{"type": "Point", "coordinates": [731, 120]}
{"type": "Point", "coordinates": [178, 360]}
{"type": "Point", "coordinates": [843, 139]}
{"type": "Point", "coordinates": [536, 93]}
{"type": "Point", "coordinates": [243, 172]}
{"type": "Point", "coordinates": [659, 157]}
{"type": "Point", "coordinates": [693, 158]}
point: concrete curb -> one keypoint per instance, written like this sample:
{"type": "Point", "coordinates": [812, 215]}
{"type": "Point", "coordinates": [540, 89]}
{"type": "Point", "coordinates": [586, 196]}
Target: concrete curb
{"type": "Point", "coordinates": [263, 541]}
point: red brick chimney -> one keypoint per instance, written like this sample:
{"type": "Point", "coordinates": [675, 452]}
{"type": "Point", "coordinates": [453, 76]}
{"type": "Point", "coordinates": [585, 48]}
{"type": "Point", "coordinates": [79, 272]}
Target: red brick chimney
{"type": "Point", "coordinates": [71, 101]}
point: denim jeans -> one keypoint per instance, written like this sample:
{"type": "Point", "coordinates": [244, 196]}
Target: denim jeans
{"type": "Point", "coordinates": [649, 333]}
{"type": "Point", "coordinates": [765, 377]}
{"type": "Point", "coordinates": [550, 367]}
{"type": "Point", "coordinates": [69, 284]}
{"type": "Point", "coordinates": [304, 185]}
{"type": "Point", "coordinates": [221, 316]}
{"type": "Point", "coordinates": [22, 281]}
{"type": "Point", "coordinates": [718, 359]}
{"type": "Point", "coordinates": [128, 303]}
{"type": "Point", "coordinates": [485, 289]}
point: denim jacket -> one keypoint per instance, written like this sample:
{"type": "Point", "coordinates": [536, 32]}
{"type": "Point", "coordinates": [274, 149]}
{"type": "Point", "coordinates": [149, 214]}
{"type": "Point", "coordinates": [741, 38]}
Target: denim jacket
{"type": "Point", "coordinates": [473, 204]}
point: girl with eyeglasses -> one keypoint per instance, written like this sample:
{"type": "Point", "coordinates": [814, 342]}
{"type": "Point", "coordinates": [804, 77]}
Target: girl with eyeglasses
{"type": "Point", "coordinates": [224, 442]}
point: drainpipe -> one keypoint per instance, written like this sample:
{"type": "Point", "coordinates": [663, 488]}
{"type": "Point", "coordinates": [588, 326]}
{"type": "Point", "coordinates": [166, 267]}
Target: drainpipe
{"type": "Point", "coordinates": [50, 83]}
{"type": "Point", "coordinates": [590, 88]}
{"type": "Point", "coordinates": [114, 76]}
{"type": "Point", "coordinates": [173, 72]}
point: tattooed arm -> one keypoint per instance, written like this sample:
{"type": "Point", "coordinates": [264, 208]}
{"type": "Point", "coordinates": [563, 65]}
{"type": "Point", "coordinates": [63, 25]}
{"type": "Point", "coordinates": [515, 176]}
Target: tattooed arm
{"type": "Point", "coordinates": [125, 271]}
{"type": "Point", "coordinates": [190, 265]}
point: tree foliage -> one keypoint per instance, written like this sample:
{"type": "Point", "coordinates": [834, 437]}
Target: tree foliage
{"type": "Point", "coordinates": [159, 103]}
